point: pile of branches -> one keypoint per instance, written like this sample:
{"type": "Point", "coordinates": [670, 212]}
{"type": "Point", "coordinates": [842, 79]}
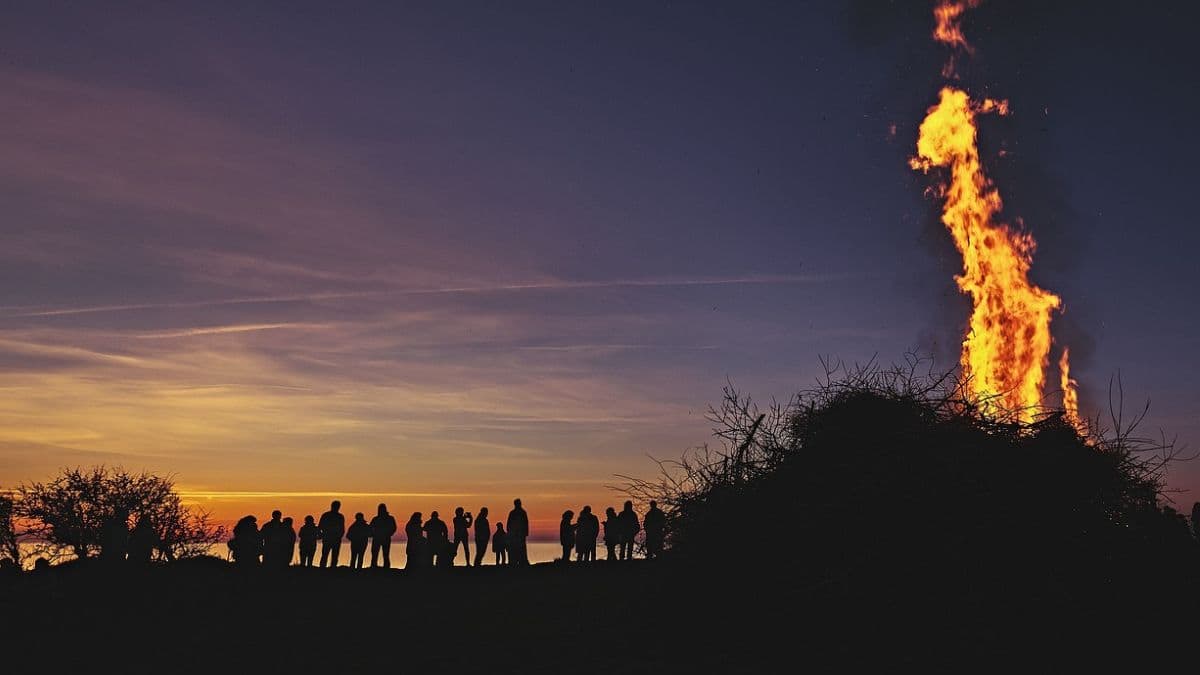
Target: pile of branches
{"type": "Point", "coordinates": [900, 468]}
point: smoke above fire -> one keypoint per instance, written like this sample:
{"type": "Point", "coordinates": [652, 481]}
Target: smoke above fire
{"type": "Point", "coordinates": [1006, 348]}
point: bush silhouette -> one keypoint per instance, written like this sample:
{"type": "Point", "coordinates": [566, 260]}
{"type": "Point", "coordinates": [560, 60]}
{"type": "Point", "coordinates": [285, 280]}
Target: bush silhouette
{"type": "Point", "coordinates": [888, 475]}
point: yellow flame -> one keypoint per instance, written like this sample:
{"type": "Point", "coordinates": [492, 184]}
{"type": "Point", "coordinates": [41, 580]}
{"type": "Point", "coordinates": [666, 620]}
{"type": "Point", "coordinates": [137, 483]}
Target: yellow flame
{"type": "Point", "coordinates": [1006, 349]}
{"type": "Point", "coordinates": [1070, 391]}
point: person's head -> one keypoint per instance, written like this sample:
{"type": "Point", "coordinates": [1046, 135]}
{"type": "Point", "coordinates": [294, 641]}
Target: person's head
{"type": "Point", "coordinates": [288, 521]}
{"type": "Point", "coordinates": [276, 514]}
{"type": "Point", "coordinates": [308, 520]}
{"type": "Point", "coordinates": [610, 511]}
{"type": "Point", "coordinates": [628, 506]}
{"type": "Point", "coordinates": [586, 510]}
{"type": "Point", "coordinates": [568, 514]}
{"type": "Point", "coordinates": [358, 517]}
{"type": "Point", "coordinates": [653, 505]}
{"type": "Point", "coordinates": [335, 505]}
{"type": "Point", "coordinates": [383, 509]}
{"type": "Point", "coordinates": [433, 516]}
{"type": "Point", "coordinates": [483, 511]}
{"type": "Point", "coordinates": [458, 511]}
{"type": "Point", "coordinates": [415, 518]}
{"type": "Point", "coordinates": [517, 503]}
{"type": "Point", "coordinates": [500, 527]}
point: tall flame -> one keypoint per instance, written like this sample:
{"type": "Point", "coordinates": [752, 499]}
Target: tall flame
{"type": "Point", "coordinates": [1007, 346]}
{"type": "Point", "coordinates": [1006, 349]}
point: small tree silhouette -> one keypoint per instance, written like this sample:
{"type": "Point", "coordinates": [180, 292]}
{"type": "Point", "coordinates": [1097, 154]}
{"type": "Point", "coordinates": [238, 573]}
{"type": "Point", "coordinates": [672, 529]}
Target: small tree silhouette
{"type": "Point", "coordinates": [67, 515]}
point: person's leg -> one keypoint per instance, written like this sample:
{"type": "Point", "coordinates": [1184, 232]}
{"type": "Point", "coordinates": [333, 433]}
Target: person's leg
{"type": "Point", "coordinates": [324, 553]}
{"type": "Point", "coordinates": [467, 552]}
{"type": "Point", "coordinates": [375, 546]}
{"type": "Point", "coordinates": [337, 550]}
{"type": "Point", "coordinates": [387, 553]}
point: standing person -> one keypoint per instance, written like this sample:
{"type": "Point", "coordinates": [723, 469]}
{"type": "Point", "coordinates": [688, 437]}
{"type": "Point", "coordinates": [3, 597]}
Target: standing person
{"type": "Point", "coordinates": [437, 539]}
{"type": "Point", "coordinates": [142, 541]}
{"type": "Point", "coordinates": [655, 522]}
{"type": "Point", "coordinates": [414, 548]}
{"type": "Point", "coordinates": [462, 533]}
{"type": "Point", "coordinates": [358, 534]}
{"type": "Point", "coordinates": [586, 531]}
{"type": "Point", "coordinates": [114, 536]}
{"type": "Point", "coordinates": [309, 534]}
{"type": "Point", "coordinates": [518, 532]}
{"type": "Point", "coordinates": [566, 534]}
{"type": "Point", "coordinates": [383, 526]}
{"type": "Point", "coordinates": [500, 545]}
{"type": "Point", "coordinates": [246, 544]}
{"type": "Point", "coordinates": [332, 526]}
{"type": "Point", "coordinates": [629, 529]}
{"type": "Point", "coordinates": [612, 532]}
{"type": "Point", "coordinates": [269, 535]}
{"type": "Point", "coordinates": [287, 542]}
{"type": "Point", "coordinates": [482, 535]}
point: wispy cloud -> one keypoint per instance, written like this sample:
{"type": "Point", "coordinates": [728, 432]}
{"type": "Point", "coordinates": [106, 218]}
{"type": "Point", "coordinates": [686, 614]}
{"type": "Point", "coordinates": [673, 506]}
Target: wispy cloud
{"type": "Point", "coordinates": [223, 330]}
{"type": "Point", "coordinates": [551, 285]}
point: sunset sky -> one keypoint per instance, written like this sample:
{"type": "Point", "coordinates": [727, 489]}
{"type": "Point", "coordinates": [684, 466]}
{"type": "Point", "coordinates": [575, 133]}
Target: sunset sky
{"type": "Point", "coordinates": [452, 253]}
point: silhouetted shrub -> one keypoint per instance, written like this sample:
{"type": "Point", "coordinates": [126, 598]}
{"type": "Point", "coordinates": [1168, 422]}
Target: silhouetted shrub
{"type": "Point", "coordinates": [68, 514]}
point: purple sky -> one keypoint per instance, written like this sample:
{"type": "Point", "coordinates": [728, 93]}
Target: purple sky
{"type": "Point", "coordinates": [464, 249]}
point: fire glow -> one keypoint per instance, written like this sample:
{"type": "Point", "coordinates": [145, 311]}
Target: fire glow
{"type": "Point", "coordinates": [1006, 349]}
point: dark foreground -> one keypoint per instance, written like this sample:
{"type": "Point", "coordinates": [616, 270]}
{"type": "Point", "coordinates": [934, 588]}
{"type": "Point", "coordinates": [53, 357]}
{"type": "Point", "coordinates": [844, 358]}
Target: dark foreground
{"type": "Point", "coordinates": [640, 617]}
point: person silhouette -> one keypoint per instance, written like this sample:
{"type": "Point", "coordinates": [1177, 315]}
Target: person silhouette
{"type": "Point", "coordinates": [566, 535]}
{"type": "Point", "coordinates": [1196, 519]}
{"type": "Point", "coordinates": [287, 542]}
{"type": "Point", "coordinates": [612, 532]}
{"type": "Point", "coordinates": [114, 536]}
{"type": "Point", "coordinates": [518, 532]}
{"type": "Point", "coordinates": [655, 523]}
{"type": "Point", "coordinates": [246, 544]}
{"type": "Point", "coordinates": [359, 533]}
{"type": "Point", "coordinates": [482, 534]}
{"type": "Point", "coordinates": [500, 545]}
{"type": "Point", "coordinates": [142, 541]}
{"type": "Point", "coordinates": [270, 533]}
{"type": "Point", "coordinates": [586, 530]}
{"type": "Point", "coordinates": [332, 526]}
{"type": "Point", "coordinates": [437, 539]}
{"type": "Point", "coordinates": [383, 526]}
{"type": "Point", "coordinates": [629, 528]}
{"type": "Point", "coordinates": [462, 533]}
{"type": "Point", "coordinates": [414, 549]}
{"type": "Point", "coordinates": [309, 534]}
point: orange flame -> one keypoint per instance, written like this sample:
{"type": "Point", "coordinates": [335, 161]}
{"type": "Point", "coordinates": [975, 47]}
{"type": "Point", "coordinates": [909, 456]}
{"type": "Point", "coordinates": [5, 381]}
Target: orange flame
{"type": "Point", "coordinates": [1007, 345]}
{"type": "Point", "coordinates": [1070, 391]}
{"type": "Point", "coordinates": [949, 29]}
{"type": "Point", "coordinates": [949, 15]}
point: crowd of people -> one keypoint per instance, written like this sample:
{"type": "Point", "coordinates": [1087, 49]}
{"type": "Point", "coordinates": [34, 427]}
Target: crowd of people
{"type": "Point", "coordinates": [431, 542]}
